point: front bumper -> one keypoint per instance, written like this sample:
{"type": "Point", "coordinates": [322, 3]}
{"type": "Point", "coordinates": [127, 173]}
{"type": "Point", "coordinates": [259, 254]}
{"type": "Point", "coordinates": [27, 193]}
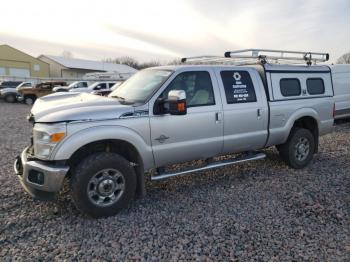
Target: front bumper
{"type": "Point", "coordinates": [40, 179]}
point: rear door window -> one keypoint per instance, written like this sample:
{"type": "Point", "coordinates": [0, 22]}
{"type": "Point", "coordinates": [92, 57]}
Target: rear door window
{"type": "Point", "coordinates": [238, 87]}
{"type": "Point", "coordinates": [290, 87]}
{"type": "Point", "coordinates": [315, 86]}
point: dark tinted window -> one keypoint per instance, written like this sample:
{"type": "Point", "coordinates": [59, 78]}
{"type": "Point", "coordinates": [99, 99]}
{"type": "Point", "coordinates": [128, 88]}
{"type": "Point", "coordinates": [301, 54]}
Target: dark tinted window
{"type": "Point", "coordinates": [100, 86]}
{"type": "Point", "coordinates": [81, 84]}
{"type": "Point", "coordinates": [315, 86]}
{"type": "Point", "coordinates": [10, 83]}
{"type": "Point", "coordinates": [238, 86]}
{"type": "Point", "coordinates": [290, 87]}
{"type": "Point", "coordinates": [197, 85]}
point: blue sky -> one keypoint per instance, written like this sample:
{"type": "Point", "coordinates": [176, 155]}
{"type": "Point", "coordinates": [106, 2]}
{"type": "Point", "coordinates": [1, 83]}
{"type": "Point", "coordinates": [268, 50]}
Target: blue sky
{"type": "Point", "coordinates": [163, 30]}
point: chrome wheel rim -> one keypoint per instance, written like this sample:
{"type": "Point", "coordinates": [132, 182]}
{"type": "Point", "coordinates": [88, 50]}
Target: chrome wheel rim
{"type": "Point", "coordinates": [302, 149]}
{"type": "Point", "coordinates": [106, 187]}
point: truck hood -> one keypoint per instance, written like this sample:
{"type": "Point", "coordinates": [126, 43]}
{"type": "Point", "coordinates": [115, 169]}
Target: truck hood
{"type": "Point", "coordinates": [68, 106]}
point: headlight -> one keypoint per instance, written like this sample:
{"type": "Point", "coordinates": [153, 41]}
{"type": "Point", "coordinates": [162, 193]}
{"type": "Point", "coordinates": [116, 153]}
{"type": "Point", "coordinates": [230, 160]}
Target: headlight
{"type": "Point", "coordinates": [46, 137]}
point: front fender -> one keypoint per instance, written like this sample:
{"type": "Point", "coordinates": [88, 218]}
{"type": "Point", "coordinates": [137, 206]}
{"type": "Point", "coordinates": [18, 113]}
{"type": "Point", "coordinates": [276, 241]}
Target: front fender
{"type": "Point", "coordinates": [106, 132]}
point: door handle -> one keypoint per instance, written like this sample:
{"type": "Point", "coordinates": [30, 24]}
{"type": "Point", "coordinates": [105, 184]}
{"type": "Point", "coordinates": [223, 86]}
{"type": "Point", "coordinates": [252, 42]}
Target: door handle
{"type": "Point", "coordinates": [259, 112]}
{"type": "Point", "coordinates": [218, 117]}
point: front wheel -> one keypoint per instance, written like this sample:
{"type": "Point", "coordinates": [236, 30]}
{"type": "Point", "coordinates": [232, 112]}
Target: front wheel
{"type": "Point", "coordinates": [103, 184]}
{"type": "Point", "coordinates": [298, 151]}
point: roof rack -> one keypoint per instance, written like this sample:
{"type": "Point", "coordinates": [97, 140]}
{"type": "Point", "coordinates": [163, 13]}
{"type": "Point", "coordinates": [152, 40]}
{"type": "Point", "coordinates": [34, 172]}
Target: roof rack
{"type": "Point", "coordinates": [262, 56]}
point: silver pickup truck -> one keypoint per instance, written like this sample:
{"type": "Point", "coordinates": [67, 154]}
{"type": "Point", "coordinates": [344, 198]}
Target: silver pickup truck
{"type": "Point", "coordinates": [167, 115]}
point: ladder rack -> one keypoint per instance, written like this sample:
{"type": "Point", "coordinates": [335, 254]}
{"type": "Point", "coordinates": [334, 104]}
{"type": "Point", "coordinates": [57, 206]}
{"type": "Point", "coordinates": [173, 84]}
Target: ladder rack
{"type": "Point", "coordinates": [263, 56]}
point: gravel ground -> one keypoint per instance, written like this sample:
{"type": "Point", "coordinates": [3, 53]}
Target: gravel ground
{"type": "Point", "coordinates": [257, 211]}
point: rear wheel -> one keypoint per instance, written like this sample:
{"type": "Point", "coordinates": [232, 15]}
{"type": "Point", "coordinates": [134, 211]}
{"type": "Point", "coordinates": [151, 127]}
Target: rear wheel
{"type": "Point", "coordinates": [298, 151]}
{"type": "Point", "coordinates": [103, 184]}
{"type": "Point", "coordinates": [10, 98]}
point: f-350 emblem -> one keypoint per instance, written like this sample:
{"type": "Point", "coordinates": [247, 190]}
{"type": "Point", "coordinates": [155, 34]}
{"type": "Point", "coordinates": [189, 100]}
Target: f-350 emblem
{"type": "Point", "coordinates": [162, 139]}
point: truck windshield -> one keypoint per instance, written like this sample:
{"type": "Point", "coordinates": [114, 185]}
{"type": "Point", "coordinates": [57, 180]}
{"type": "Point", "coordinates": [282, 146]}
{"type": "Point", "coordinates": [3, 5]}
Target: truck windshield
{"type": "Point", "coordinates": [141, 86]}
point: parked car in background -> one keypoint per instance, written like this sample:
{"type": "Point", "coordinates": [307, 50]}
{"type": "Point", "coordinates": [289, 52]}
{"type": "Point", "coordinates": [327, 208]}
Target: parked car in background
{"type": "Point", "coordinates": [98, 86]}
{"type": "Point", "coordinates": [76, 84]}
{"type": "Point", "coordinates": [106, 92]}
{"type": "Point", "coordinates": [10, 94]}
{"type": "Point", "coordinates": [29, 95]}
{"type": "Point", "coordinates": [10, 84]}
{"type": "Point", "coordinates": [341, 85]}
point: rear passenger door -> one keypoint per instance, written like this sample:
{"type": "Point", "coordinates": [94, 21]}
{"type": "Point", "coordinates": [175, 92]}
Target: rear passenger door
{"type": "Point", "coordinates": [245, 109]}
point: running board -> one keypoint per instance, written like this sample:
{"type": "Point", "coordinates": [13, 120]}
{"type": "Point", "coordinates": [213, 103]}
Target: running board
{"type": "Point", "coordinates": [246, 158]}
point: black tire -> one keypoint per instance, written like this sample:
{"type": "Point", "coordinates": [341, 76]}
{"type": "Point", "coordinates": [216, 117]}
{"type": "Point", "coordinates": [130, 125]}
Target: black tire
{"type": "Point", "coordinates": [86, 171]}
{"type": "Point", "coordinates": [29, 100]}
{"type": "Point", "coordinates": [290, 151]}
{"type": "Point", "coordinates": [10, 98]}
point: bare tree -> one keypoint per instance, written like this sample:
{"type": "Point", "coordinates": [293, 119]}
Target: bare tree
{"type": "Point", "coordinates": [130, 61]}
{"type": "Point", "coordinates": [149, 64]}
{"type": "Point", "coordinates": [124, 60]}
{"type": "Point", "coordinates": [67, 54]}
{"type": "Point", "coordinates": [175, 62]}
{"type": "Point", "coordinates": [344, 59]}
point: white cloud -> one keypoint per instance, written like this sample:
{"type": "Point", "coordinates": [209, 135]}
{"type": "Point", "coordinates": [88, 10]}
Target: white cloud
{"type": "Point", "coordinates": [166, 29]}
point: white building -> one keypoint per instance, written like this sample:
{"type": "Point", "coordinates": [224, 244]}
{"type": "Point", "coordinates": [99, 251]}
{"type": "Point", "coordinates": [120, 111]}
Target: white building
{"type": "Point", "coordinates": [76, 68]}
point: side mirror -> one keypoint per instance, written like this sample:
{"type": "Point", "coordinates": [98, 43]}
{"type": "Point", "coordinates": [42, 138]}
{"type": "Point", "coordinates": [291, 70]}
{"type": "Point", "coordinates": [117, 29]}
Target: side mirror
{"type": "Point", "coordinates": [177, 102]}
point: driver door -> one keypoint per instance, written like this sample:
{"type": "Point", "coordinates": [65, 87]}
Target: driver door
{"type": "Point", "coordinates": [196, 135]}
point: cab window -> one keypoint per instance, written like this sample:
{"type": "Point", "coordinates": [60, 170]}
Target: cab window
{"type": "Point", "coordinates": [290, 87]}
{"type": "Point", "coordinates": [197, 85]}
{"type": "Point", "coordinates": [100, 86]}
{"type": "Point", "coordinates": [238, 87]}
{"type": "Point", "coordinates": [81, 84]}
{"type": "Point", "coordinates": [315, 86]}
{"type": "Point", "coordinates": [110, 85]}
